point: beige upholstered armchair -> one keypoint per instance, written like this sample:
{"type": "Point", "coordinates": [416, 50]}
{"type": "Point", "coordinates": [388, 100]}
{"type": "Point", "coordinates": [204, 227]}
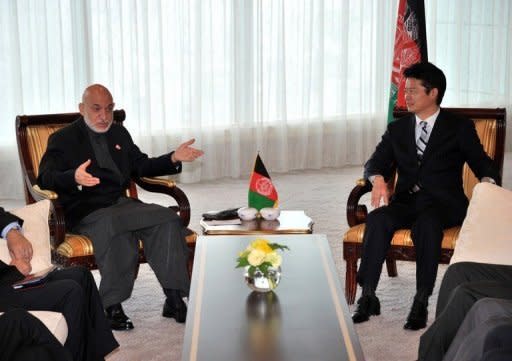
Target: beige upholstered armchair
{"type": "Point", "coordinates": [490, 126]}
{"type": "Point", "coordinates": [32, 132]}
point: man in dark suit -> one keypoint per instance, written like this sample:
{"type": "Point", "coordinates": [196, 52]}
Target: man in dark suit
{"type": "Point", "coordinates": [467, 299]}
{"type": "Point", "coordinates": [71, 292]}
{"type": "Point", "coordinates": [89, 164]}
{"type": "Point", "coordinates": [428, 151]}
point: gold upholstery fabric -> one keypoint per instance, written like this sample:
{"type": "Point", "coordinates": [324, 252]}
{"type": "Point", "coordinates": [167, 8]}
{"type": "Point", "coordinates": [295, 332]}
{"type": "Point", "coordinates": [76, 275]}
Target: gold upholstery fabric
{"type": "Point", "coordinates": [486, 130]}
{"type": "Point", "coordinates": [76, 245]}
{"type": "Point", "coordinates": [402, 237]}
{"type": "Point", "coordinates": [37, 141]}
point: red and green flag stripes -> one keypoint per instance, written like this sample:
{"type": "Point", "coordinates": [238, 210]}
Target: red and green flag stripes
{"type": "Point", "coordinates": [262, 192]}
{"type": "Point", "coordinates": [410, 48]}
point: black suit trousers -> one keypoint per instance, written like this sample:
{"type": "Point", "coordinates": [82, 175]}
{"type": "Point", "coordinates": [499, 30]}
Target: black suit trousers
{"type": "Point", "coordinates": [463, 285]}
{"type": "Point", "coordinates": [73, 293]}
{"type": "Point", "coordinates": [426, 220]}
{"type": "Point", "coordinates": [25, 338]}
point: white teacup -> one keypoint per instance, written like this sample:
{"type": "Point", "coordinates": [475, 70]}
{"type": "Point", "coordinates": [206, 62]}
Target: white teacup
{"type": "Point", "coordinates": [247, 213]}
{"type": "Point", "coordinates": [270, 214]}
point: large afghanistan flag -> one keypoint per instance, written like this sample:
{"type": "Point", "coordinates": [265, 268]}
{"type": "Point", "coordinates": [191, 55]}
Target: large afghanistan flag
{"type": "Point", "coordinates": [410, 48]}
{"type": "Point", "coordinates": [262, 192]}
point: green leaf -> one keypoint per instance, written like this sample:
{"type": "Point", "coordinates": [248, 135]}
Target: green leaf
{"type": "Point", "coordinates": [278, 246]}
{"type": "Point", "coordinates": [242, 262]}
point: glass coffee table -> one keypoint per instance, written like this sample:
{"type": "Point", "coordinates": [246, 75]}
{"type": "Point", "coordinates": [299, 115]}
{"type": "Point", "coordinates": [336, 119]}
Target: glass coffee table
{"type": "Point", "coordinates": [289, 222]}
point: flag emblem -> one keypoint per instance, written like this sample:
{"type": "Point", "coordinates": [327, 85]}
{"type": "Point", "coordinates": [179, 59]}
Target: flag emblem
{"type": "Point", "coordinates": [264, 186]}
{"type": "Point", "coordinates": [262, 192]}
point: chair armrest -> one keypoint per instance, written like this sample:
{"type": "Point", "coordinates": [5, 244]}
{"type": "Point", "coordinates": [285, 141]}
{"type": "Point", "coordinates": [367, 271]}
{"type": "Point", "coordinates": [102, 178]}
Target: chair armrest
{"type": "Point", "coordinates": [41, 194]}
{"type": "Point", "coordinates": [169, 187]}
{"type": "Point", "coordinates": [56, 220]}
{"type": "Point", "coordinates": [356, 213]}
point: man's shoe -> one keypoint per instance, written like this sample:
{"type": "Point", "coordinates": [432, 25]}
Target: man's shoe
{"type": "Point", "coordinates": [417, 317]}
{"type": "Point", "coordinates": [175, 308]}
{"type": "Point", "coordinates": [366, 307]}
{"type": "Point", "coordinates": [117, 318]}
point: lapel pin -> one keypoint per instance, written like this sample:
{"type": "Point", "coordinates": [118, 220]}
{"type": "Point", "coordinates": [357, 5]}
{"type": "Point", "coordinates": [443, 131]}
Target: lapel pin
{"type": "Point", "coordinates": [118, 147]}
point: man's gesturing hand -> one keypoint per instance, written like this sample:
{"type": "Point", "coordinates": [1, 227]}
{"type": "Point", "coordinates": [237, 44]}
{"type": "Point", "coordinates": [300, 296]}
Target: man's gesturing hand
{"type": "Point", "coordinates": [186, 153]}
{"type": "Point", "coordinates": [379, 192]}
{"type": "Point", "coordinates": [83, 178]}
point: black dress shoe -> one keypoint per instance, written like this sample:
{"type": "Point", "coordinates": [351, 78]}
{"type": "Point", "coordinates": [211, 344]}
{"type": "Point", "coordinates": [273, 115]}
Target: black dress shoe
{"type": "Point", "coordinates": [366, 307]}
{"type": "Point", "coordinates": [117, 318]}
{"type": "Point", "coordinates": [417, 317]}
{"type": "Point", "coordinates": [175, 308]}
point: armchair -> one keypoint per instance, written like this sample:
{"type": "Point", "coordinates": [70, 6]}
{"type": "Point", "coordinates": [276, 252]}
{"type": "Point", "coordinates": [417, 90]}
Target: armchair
{"type": "Point", "coordinates": [490, 126]}
{"type": "Point", "coordinates": [32, 132]}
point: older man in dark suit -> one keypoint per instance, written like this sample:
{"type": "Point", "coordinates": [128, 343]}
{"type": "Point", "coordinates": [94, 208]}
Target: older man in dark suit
{"type": "Point", "coordinates": [71, 292]}
{"type": "Point", "coordinates": [89, 164]}
{"type": "Point", "coordinates": [428, 151]}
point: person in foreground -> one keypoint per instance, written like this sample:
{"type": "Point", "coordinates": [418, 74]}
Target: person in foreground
{"type": "Point", "coordinates": [24, 338]}
{"type": "Point", "coordinates": [428, 151]}
{"type": "Point", "coordinates": [473, 314]}
{"type": "Point", "coordinates": [71, 292]}
{"type": "Point", "coordinates": [89, 164]}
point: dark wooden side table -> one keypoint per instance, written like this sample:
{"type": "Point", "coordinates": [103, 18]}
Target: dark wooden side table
{"type": "Point", "coordinates": [289, 222]}
{"type": "Point", "coordinates": [305, 318]}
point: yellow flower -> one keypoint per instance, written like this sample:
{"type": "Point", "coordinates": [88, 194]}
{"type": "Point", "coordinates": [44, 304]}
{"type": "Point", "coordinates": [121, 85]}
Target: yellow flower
{"type": "Point", "coordinates": [262, 245]}
{"type": "Point", "coordinates": [256, 257]}
{"type": "Point", "coordinates": [274, 258]}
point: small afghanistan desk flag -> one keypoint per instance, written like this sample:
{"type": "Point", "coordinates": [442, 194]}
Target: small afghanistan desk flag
{"type": "Point", "coordinates": [262, 192]}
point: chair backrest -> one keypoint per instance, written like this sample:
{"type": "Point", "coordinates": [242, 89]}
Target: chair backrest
{"type": "Point", "coordinates": [490, 125]}
{"type": "Point", "coordinates": [32, 132]}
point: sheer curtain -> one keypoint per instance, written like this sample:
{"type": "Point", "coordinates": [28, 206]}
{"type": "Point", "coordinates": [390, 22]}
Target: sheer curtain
{"type": "Point", "coordinates": [304, 82]}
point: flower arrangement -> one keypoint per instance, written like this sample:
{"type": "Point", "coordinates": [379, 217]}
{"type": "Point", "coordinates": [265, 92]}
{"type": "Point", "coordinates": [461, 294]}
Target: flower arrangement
{"type": "Point", "coordinates": [262, 255]}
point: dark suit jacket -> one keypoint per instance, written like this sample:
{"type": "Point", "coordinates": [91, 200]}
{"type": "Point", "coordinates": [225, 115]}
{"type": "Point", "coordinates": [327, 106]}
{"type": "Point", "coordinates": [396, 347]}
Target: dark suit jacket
{"type": "Point", "coordinates": [453, 141]}
{"type": "Point", "coordinates": [69, 147]}
{"type": "Point", "coordinates": [8, 274]}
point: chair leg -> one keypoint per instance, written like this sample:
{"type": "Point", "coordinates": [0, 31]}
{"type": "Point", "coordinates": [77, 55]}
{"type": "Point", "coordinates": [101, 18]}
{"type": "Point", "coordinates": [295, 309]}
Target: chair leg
{"type": "Point", "coordinates": [350, 280]}
{"type": "Point", "coordinates": [391, 266]}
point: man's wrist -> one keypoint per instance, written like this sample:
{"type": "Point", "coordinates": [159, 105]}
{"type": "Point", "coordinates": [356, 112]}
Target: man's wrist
{"type": "Point", "coordinates": [373, 177]}
{"type": "Point", "coordinates": [10, 227]}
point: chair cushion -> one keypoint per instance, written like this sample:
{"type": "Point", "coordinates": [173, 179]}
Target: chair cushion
{"type": "Point", "coordinates": [486, 235]}
{"type": "Point", "coordinates": [76, 245]}
{"type": "Point", "coordinates": [36, 230]}
{"type": "Point", "coordinates": [402, 237]}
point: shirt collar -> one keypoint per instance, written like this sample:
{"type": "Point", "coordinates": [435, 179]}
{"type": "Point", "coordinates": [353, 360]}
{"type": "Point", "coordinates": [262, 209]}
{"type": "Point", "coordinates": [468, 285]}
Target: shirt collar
{"type": "Point", "coordinates": [430, 120]}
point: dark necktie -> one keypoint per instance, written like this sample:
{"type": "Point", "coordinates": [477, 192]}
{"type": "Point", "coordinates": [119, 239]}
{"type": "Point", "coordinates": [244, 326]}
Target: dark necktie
{"type": "Point", "coordinates": [421, 144]}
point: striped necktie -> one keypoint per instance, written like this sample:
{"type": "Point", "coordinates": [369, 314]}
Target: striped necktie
{"type": "Point", "coordinates": [421, 144]}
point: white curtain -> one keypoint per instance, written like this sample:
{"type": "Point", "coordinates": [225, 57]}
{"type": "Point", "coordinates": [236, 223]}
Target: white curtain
{"type": "Point", "coordinates": [304, 82]}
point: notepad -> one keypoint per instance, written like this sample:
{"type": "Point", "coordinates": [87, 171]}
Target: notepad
{"type": "Point", "coordinates": [34, 279]}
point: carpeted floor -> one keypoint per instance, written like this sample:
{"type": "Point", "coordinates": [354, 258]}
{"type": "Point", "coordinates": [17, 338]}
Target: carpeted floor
{"type": "Point", "coordinates": [322, 194]}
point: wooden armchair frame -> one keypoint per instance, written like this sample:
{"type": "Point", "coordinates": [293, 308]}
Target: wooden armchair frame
{"type": "Point", "coordinates": [68, 249]}
{"type": "Point", "coordinates": [491, 126]}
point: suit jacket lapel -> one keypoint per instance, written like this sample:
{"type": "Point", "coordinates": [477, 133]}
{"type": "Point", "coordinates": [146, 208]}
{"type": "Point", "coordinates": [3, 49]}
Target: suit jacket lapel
{"type": "Point", "coordinates": [84, 140]}
{"type": "Point", "coordinates": [411, 136]}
